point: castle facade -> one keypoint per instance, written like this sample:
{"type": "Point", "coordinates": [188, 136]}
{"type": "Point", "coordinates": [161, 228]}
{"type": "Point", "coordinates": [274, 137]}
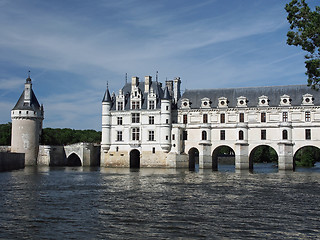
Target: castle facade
{"type": "Point", "coordinates": [150, 125]}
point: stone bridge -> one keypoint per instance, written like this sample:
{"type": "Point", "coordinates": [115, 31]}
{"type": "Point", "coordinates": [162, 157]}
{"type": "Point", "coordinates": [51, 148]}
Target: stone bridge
{"type": "Point", "coordinates": [78, 154]}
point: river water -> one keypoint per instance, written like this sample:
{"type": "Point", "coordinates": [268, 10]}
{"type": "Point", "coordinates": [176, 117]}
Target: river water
{"type": "Point", "coordinates": [94, 203]}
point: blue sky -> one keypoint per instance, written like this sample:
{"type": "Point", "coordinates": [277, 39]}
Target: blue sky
{"type": "Point", "coordinates": [73, 47]}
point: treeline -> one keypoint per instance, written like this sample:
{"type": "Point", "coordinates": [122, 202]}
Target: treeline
{"type": "Point", "coordinates": [54, 136]}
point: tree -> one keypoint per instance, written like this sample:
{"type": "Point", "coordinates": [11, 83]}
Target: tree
{"type": "Point", "coordinates": [305, 32]}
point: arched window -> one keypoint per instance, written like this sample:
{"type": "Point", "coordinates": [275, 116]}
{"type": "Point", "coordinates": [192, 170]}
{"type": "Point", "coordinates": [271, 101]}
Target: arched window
{"type": "Point", "coordinates": [204, 135]}
{"type": "Point", "coordinates": [241, 135]}
{"type": "Point", "coordinates": [284, 134]}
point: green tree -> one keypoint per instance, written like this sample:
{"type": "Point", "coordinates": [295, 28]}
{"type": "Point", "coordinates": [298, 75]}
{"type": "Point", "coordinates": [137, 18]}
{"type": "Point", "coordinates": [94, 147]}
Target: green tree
{"type": "Point", "coordinates": [5, 134]}
{"type": "Point", "coordinates": [305, 32]}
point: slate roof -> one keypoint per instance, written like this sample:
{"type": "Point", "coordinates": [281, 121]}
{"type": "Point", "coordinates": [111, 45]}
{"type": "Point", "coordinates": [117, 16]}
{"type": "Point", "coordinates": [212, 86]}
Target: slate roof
{"type": "Point", "coordinates": [157, 89]}
{"type": "Point", "coordinates": [252, 94]}
{"type": "Point", "coordinates": [34, 104]}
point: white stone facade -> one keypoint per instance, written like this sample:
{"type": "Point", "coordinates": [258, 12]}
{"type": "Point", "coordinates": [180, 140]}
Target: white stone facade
{"type": "Point", "coordinates": [285, 118]}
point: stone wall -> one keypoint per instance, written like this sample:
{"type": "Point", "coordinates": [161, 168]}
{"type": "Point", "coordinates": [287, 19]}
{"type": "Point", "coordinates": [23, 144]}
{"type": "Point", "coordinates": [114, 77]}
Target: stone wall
{"type": "Point", "coordinates": [11, 161]}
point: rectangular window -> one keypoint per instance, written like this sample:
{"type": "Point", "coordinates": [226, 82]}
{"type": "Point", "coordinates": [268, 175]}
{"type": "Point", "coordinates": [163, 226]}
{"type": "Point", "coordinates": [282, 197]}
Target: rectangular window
{"type": "Point", "coordinates": [222, 118]}
{"type": "Point", "coordinates": [151, 135]}
{"type": "Point", "coordinates": [222, 135]}
{"type": "Point", "coordinates": [120, 106]}
{"type": "Point", "coordinates": [241, 117]}
{"type": "Point", "coordinates": [185, 118]}
{"type": "Point", "coordinates": [135, 134]}
{"type": "Point", "coordinates": [173, 137]}
{"type": "Point", "coordinates": [205, 118]}
{"type": "Point", "coordinates": [119, 135]}
{"type": "Point", "coordinates": [153, 150]}
{"type": "Point", "coordinates": [151, 119]}
{"type": "Point", "coordinates": [263, 117]}
{"type": "Point", "coordinates": [151, 104]}
{"type": "Point", "coordinates": [285, 117]}
{"type": "Point", "coordinates": [167, 108]}
{"type": "Point", "coordinates": [135, 105]}
{"type": "Point", "coordinates": [184, 135]}
{"type": "Point", "coordinates": [263, 134]}
{"type": "Point", "coordinates": [119, 120]}
{"type": "Point", "coordinates": [167, 121]}
{"type": "Point", "coordinates": [308, 134]}
{"type": "Point", "coordinates": [308, 117]}
{"type": "Point", "coordinates": [135, 117]}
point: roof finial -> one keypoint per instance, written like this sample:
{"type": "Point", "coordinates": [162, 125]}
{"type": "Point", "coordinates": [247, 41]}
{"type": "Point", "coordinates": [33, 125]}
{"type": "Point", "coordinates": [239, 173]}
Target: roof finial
{"type": "Point", "coordinates": [126, 78]}
{"type": "Point", "coordinates": [29, 74]}
{"type": "Point", "coordinates": [157, 76]}
{"type": "Point", "coordinates": [107, 84]}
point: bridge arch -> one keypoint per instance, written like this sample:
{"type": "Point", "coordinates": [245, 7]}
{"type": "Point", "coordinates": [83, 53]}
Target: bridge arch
{"type": "Point", "coordinates": [193, 158]}
{"type": "Point", "coordinates": [73, 160]}
{"type": "Point", "coordinates": [223, 154]}
{"type": "Point", "coordinates": [135, 158]}
{"type": "Point", "coordinates": [306, 156]}
{"type": "Point", "coordinates": [262, 154]}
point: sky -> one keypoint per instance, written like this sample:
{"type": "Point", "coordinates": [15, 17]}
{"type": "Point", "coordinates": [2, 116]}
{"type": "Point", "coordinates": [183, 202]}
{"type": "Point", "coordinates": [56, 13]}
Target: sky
{"type": "Point", "coordinates": [73, 48]}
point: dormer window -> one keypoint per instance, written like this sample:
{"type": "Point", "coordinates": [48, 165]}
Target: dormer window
{"type": "Point", "coordinates": [241, 101]}
{"type": "Point", "coordinates": [263, 101]}
{"type": "Point", "coordinates": [151, 104]}
{"type": "Point", "coordinates": [205, 103]}
{"type": "Point", "coordinates": [185, 103]}
{"type": "Point", "coordinates": [222, 102]}
{"type": "Point", "coordinates": [307, 99]}
{"type": "Point", "coordinates": [285, 100]}
{"type": "Point", "coordinates": [135, 105]}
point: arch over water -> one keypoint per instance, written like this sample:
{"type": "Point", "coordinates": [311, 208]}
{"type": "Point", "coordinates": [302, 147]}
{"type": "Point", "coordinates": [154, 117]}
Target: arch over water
{"type": "Point", "coordinates": [74, 160]}
{"type": "Point", "coordinates": [223, 154]}
{"type": "Point", "coordinates": [306, 156]}
{"type": "Point", "coordinates": [135, 158]}
{"type": "Point", "coordinates": [193, 159]}
{"type": "Point", "coordinates": [262, 154]}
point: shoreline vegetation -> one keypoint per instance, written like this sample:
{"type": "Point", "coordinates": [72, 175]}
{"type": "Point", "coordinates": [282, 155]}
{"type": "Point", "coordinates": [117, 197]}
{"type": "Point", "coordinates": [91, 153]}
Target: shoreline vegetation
{"type": "Point", "coordinates": [306, 157]}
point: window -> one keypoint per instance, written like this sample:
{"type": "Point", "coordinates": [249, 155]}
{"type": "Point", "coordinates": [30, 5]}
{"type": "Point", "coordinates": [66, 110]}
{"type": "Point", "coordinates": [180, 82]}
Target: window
{"type": "Point", "coordinates": [241, 117]}
{"type": "Point", "coordinates": [151, 104]}
{"type": "Point", "coordinates": [263, 117]}
{"type": "Point", "coordinates": [167, 121]}
{"type": "Point", "coordinates": [308, 134]}
{"type": "Point", "coordinates": [222, 118]}
{"type": "Point", "coordinates": [263, 134]}
{"type": "Point", "coordinates": [185, 118]}
{"type": "Point", "coordinates": [120, 106]}
{"type": "Point", "coordinates": [167, 108]}
{"type": "Point", "coordinates": [135, 117]}
{"type": "Point", "coordinates": [205, 118]}
{"type": "Point", "coordinates": [135, 134]}
{"type": "Point", "coordinates": [308, 117]}
{"type": "Point", "coordinates": [151, 135]}
{"type": "Point", "coordinates": [184, 135]}
{"type": "Point", "coordinates": [151, 119]}
{"type": "Point", "coordinates": [119, 120]}
{"type": "Point", "coordinates": [167, 137]}
{"type": "Point", "coordinates": [204, 135]}
{"type": "Point", "coordinates": [222, 135]}
{"type": "Point", "coordinates": [241, 137]}
{"type": "Point", "coordinates": [119, 135]}
{"type": "Point", "coordinates": [173, 137]}
{"type": "Point", "coordinates": [285, 117]}
{"type": "Point", "coordinates": [153, 150]}
{"type": "Point", "coordinates": [284, 134]}
{"type": "Point", "coordinates": [135, 105]}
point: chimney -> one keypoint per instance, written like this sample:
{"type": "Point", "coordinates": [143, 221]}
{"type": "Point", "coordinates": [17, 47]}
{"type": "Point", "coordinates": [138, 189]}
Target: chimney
{"type": "Point", "coordinates": [135, 81]}
{"type": "Point", "coordinates": [176, 89]}
{"type": "Point", "coordinates": [147, 83]}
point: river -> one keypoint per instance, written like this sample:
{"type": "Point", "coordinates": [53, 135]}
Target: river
{"type": "Point", "coordinates": [94, 203]}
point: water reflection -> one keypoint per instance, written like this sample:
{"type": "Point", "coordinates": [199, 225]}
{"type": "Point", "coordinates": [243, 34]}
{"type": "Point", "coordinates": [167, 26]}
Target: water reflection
{"type": "Point", "coordinates": [104, 203]}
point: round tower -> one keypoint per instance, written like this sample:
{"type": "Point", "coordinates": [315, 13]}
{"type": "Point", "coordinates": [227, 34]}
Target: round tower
{"type": "Point", "coordinates": [106, 123]}
{"type": "Point", "coordinates": [27, 116]}
{"type": "Point", "coordinates": [165, 141]}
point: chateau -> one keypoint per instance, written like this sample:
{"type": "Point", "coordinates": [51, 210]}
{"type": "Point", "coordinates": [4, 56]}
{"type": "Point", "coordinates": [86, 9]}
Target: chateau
{"type": "Point", "coordinates": [150, 125]}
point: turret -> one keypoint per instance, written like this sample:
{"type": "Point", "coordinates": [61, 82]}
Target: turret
{"type": "Point", "coordinates": [165, 140]}
{"type": "Point", "coordinates": [106, 121]}
{"type": "Point", "coordinates": [27, 116]}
